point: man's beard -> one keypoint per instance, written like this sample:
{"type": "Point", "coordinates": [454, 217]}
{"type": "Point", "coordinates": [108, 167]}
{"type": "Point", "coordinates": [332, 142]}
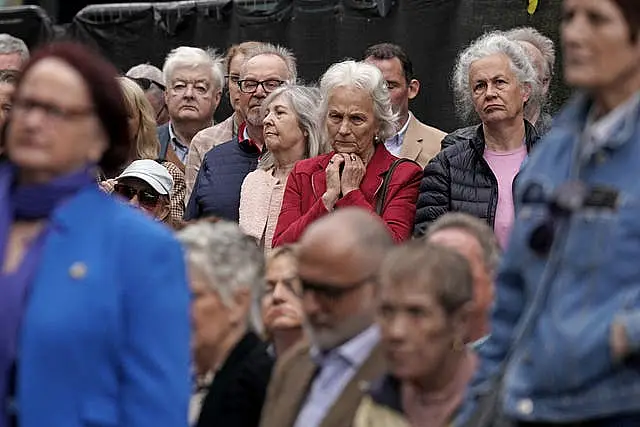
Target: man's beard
{"type": "Point", "coordinates": [328, 339]}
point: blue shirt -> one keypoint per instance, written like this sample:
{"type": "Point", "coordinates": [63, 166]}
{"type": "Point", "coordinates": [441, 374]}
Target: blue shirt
{"type": "Point", "coordinates": [180, 149]}
{"type": "Point", "coordinates": [337, 368]}
{"type": "Point", "coordinates": [394, 144]}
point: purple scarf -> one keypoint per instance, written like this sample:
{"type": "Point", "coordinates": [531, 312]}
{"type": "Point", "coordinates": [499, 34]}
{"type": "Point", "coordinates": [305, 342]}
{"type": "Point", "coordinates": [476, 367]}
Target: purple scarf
{"type": "Point", "coordinates": [25, 203]}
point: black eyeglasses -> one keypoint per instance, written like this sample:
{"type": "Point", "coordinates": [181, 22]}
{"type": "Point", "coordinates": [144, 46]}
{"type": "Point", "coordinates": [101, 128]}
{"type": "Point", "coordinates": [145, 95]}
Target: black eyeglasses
{"type": "Point", "coordinates": [250, 86]}
{"type": "Point", "coordinates": [146, 83]}
{"type": "Point", "coordinates": [329, 292]}
{"type": "Point", "coordinates": [146, 198]}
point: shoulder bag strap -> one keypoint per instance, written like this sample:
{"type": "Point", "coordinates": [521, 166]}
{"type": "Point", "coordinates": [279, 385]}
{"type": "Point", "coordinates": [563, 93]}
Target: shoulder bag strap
{"type": "Point", "coordinates": [382, 196]}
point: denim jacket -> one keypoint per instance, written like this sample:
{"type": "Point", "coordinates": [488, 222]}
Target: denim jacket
{"type": "Point", "coordinates": [562, 369]}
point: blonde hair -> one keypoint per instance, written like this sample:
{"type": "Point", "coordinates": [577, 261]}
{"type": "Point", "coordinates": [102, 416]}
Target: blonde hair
{"type": "Point", "coordinates": [146, 141]}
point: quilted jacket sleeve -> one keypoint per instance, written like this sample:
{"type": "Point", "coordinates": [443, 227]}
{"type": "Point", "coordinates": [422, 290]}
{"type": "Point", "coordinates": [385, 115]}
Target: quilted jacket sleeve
{"type": "Point", "coordinates": [434, 199]}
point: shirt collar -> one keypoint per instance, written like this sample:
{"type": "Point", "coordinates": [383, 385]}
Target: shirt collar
{"type": "Point", "coordinates": [604, 131]}
{"type": "Point", "coordinates": [244, 139]}
{"type": "Point", "coordinates": [355, 351]}
{"type": "Point", "coordinates": [173, 137]}
{"type": "Point", "coordinates": [403, 131]}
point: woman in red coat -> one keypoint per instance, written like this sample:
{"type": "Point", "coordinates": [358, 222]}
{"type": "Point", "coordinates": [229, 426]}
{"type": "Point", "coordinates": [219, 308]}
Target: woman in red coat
{"type": "Point", "coordinates": [358, 118]}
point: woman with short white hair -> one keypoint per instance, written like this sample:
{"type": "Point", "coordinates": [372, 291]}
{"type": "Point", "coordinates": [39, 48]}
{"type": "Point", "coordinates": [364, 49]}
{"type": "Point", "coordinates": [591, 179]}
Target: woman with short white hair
{"type": "Point", "coordinates": [232, 366]}
{"type": "Point", "coordinates": [493, 79]}
{"type": "Point", "coordinates": [357, 118]}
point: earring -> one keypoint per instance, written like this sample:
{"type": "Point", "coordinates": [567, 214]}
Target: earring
{"type": "Point", "coordinates": [457, 345]}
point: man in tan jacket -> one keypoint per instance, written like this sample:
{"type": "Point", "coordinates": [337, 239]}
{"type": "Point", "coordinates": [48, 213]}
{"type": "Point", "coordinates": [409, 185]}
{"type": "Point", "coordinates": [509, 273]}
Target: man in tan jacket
{"type": "Point", "coordinates": [320, 384]}
{"type": "Point", "coordinates": [414, 140]}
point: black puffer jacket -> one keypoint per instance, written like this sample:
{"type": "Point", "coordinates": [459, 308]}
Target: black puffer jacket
{"type": "Point", "coordinates": [459, 179]}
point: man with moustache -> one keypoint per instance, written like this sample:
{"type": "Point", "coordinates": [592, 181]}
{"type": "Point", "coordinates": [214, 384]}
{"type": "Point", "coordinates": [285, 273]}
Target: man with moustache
{"type": "Point", "coordinates": [320, 384]}
{"type": "Point", "coordinates": [216, 191]}
{"type": "Point", "coordinates": [226, 130]}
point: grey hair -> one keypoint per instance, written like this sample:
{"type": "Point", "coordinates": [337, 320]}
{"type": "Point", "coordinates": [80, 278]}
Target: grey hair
{"type": "Point", "coordinates": [543, 43]}
{"type": "Point", "coordinates": [229, 259]}
{"type": "Point", "coordinates": [305, 103]}
{"type": "Point", "coordinates": [146, 71]}
{"type": "Point", "coordinates": [477, 229]}
{"type": "Point", "coordinates": [276, 50]}
{"type": "Point", "coordinates": [10, 44]}
{"type": "Point", "coordinates": [440, 270]}
{"type": "Point", "coordinates": [365, 77]}
{"type": "Point", "coordinates": [193, 57]}
{"type": "Point", "coordinates": [489, 44]}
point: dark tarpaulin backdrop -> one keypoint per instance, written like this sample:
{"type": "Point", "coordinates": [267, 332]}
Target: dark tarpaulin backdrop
{"type": "Point", "coordinates": [319, 32]}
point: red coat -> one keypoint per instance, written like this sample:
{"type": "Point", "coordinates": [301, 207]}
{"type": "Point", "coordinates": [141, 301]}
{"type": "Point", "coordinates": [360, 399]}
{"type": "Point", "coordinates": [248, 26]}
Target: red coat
{"type": "Point", "coordinates": [302, 203]}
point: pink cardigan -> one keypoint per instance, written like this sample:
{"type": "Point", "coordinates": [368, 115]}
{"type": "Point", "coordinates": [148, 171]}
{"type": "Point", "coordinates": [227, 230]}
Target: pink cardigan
{"type": "Point", "coordinates": [260, 203]}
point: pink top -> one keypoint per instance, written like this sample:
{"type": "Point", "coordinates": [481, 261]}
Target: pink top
{"type": "Point", "coordinates": [505, 165]}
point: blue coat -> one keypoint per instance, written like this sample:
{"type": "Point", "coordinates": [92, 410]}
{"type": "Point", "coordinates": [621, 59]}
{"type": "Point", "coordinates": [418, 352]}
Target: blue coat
{"type": "Point", "coordinates": [105, 334]}
{"type": "Point", "coordinates": [562, 369]}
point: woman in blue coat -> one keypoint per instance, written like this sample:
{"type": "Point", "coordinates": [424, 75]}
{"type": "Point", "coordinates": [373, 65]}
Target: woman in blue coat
{"type": "Point", "coordinates": [94, 326]}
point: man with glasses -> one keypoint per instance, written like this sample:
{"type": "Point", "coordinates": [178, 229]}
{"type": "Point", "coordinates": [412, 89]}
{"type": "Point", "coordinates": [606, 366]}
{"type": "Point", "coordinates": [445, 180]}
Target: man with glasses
{"type": "Point", "coordinates": [226, 130]}
{"type": "Point", "coordinates": [216, 191]}
{"type": "Point", "coordinates": [194, 79]}
{"type": "Point", "coordinates": [321, 383]}
{"type": "Point", "coordinates": [149, 78]}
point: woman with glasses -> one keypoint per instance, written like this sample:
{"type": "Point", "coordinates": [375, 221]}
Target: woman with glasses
{"type": "Point", "coordinates": [281, 304]}
{"type": "Point", "coordinates": [357, 117]}
{"type": "Point", "coordinates": [567, 315]}
{"type": "Point", "coordinates": [94, 326]}
{"type": "Point", "coordinates": [142, 129]}
{"type": "Point", "coordinates": [493, 79]}
{"type": "Point", "coordinates": [291, 133]}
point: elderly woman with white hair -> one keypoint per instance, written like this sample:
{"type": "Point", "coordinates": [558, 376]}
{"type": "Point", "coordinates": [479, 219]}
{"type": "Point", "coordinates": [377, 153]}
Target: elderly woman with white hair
{"type": "Point", "coordinates": [356, 114]}
{"type": "Point", "coordinates": [494, 78]}
{"type": "Point", "coordinates": [232, 365]}
{"type": "Point", "coordinates": [291, 133]}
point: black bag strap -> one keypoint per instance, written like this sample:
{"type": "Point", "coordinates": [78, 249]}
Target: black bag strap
{"type": "Point", "coordinates": [382, 196]}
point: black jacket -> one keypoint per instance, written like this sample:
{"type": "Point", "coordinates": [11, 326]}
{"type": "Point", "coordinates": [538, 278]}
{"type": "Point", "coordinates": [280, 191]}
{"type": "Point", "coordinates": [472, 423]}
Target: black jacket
{"type": "Point", "coordinates": [458, 179]}
{"type": "Point", "coordinates": [238, 390]}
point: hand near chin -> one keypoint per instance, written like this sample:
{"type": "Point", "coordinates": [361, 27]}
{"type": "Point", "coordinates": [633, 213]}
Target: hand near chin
{"type": "Point", "coordinates": [332, 172]}
{"type": "Point", "coordinates": [352, 174]}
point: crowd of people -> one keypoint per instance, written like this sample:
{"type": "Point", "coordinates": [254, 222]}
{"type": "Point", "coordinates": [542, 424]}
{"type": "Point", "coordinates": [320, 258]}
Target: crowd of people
{"type": "Point", "coordinates": [322, 258]}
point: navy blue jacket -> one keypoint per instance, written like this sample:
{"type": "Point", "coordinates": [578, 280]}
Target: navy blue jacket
{"type": "Point", "coordinates": [216, 191]}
